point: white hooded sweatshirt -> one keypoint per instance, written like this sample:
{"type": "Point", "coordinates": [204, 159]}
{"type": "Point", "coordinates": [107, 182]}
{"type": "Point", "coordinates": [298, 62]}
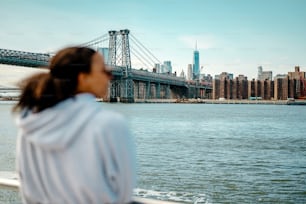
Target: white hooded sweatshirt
{"type": "Point", "coordinates": [75, 152]}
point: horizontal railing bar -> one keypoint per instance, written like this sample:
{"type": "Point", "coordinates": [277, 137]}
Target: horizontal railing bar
{"type": "Point", "coordinates": [13, 185]}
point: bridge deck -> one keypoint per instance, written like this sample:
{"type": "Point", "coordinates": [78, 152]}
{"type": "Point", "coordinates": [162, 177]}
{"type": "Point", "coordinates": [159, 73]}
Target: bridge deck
{"type": "Point", "coordinates": [21, 58]}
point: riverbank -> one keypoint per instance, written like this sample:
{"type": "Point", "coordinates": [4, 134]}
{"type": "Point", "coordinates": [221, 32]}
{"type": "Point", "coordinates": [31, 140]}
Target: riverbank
{"type": "Point", "coordinates": [211, 101]}
{"type": "Point", "coordinates": [202, 101]}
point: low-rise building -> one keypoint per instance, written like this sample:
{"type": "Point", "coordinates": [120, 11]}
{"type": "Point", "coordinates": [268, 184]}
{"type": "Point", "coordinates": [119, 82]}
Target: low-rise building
{"type": "Point", "coordinates": [284, 86]}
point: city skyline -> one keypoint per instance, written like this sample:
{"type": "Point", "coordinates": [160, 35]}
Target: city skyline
{"type": "Point", "coordinates": [233, 36]}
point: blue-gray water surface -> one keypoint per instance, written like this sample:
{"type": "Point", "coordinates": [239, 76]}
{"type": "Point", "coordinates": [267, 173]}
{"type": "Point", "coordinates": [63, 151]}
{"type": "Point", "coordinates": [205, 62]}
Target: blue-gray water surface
{"type": "Point", "coordinates": [208, 153]}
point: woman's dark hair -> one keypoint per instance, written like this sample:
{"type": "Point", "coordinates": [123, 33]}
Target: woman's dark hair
{"type": "Point", "coordinates": [44, 90]}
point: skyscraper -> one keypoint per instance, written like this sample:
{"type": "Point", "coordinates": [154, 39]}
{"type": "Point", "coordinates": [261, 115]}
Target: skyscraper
{"type": "Point", "coordinates": [189, 72]}
{"type": "Point", "coordinates": [158, 68]}
{"type": "Point", "coordinates": [182, 74]}
{"type": "Point", "coordinates": [105, 52]}
{"type": "Point", "coordinates": [196, 63]}
{"type": "Point", "coordinates": [168, 67]}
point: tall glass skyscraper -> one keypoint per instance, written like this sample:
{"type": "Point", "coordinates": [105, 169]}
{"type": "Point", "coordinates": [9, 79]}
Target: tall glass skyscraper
{"type": "Point", "coordinates": [168, 67]}
{"type": "Point", "coordinates": [105, 52]}
{"type": "Point", "coordinates": [196, 64]}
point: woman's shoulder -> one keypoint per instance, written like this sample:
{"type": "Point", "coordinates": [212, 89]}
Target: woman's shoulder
{"type": "Point", "coordinates": [109, 116]}
{"type": "Point", "coordinates": [111, 124]}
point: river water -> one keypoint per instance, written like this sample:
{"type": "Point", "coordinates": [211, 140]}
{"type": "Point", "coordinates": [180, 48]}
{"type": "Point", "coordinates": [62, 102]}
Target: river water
{"type": "Point", "coordinates": [208, 153]}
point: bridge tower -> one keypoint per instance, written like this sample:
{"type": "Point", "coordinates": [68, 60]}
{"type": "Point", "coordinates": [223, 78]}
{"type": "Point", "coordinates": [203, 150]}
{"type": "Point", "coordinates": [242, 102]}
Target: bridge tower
{"type": "Point", "coordinates": [119, 56]}
{"type": "Point", "coordinates": [112, 47]}
{"type": "Point", "coordinates": [126, 56]}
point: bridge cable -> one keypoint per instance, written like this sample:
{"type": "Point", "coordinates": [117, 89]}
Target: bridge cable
{"type": "Point", "coordinates": [143, 57]}
{"type": "Point", "coordinates": [97, 44]}
{"type": "Point", "coordinates": [144, 52]}
{"type": "Point", "coordinates": [145, 48]}
{"type": "Point", "coordinates": [139, 58]}
{"type": "Point", "coordinates": [90, 43]}
{"type": "Point", "coordinates": [96, 39]}
{"type": "Point", "coordinates": [147, 61]}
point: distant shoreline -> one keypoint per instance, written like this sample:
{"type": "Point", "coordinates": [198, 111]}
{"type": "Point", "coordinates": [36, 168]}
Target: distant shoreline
{"type": "Point", "coordinates": [211, 101]}
{"type": "Point", "coordinates": [200, 101]}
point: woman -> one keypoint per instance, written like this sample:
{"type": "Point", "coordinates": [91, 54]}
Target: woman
{"type": "Point", "coordinates": [70, 149]}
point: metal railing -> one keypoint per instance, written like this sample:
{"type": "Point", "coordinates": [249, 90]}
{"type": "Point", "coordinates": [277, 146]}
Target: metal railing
{"type": "Point", "coordinates": [13, 184]}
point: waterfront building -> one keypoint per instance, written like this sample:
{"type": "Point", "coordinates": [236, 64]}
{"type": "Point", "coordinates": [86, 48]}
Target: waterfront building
{"type": "Point", "coordinates": [223, 86]}
{"type": "Point", "coordinates": [240, 87]}
{"type": "Point", "coordinates": [255, 89]}
{"type": "Point", "coordinates": [216, 89]}
{"type": "Point", "coordinates": [189, 72]}
{"type": "Point", "coordinates": [264, 88]}
{"type": "Point", "coordinates": [284, 86]}
{"type": "Point", "coordinates": [263, 75]}
{"type": "Point", "coordinates": [297, 83]}
{"type": "Point", "coordinates": [260, 89]}
{"type": "Point", "coordinates": [196, 64]}
{"type": "Point", "coordinates": [252, 92]}
{"type": "Point", "coordinates": [281, 87]}
{"type": "Point", "coordinates": [297, 74]}
{"type": "Point", "coordinates": [225, 75]}
{"type": "Point", "coordinates": [235, 85]}
{"type": "Point", "coordinates": [267, 89]}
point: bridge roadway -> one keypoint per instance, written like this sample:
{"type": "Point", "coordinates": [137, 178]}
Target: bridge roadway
{"type": "Point", "coordinates": [143, 75]}
{"type": "Point", "coordinates": [21, 58]}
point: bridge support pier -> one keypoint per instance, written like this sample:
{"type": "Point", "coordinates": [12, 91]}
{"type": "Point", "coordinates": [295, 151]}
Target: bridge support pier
{"type": "Point", "coordinates": [168, 92]}
{"type": "Point", "coordinates": [127, 91]}
{"type": "Point", "coordinates": [158, 90]}
{"type": "Point", "coordinates": [148, 86]}
{"type": "Point", "coordinates": [114, 91]}
{"type": "Point", "coordinates": [136, 89]}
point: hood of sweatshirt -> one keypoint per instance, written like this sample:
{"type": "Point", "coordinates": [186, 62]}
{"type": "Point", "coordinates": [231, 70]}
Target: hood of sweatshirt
{"type": "Point", "coordinates": [56, 128]}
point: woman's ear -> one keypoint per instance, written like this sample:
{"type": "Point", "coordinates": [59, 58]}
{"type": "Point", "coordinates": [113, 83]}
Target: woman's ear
{"type": "Point", "coordinates": [83, 77]}
{"type": "Point", "coordinates": [82, 82]}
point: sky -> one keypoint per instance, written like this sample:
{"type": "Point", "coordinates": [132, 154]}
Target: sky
{"type": "Point", "coordinates": [234, 36]}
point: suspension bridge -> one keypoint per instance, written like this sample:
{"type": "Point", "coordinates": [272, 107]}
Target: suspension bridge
{"type": "Point", "coordinates": [128, 84]}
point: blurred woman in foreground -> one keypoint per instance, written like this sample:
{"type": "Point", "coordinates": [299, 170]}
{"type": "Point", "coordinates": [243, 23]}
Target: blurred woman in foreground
{"type": "Point", "coordinates": [69, 149]}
